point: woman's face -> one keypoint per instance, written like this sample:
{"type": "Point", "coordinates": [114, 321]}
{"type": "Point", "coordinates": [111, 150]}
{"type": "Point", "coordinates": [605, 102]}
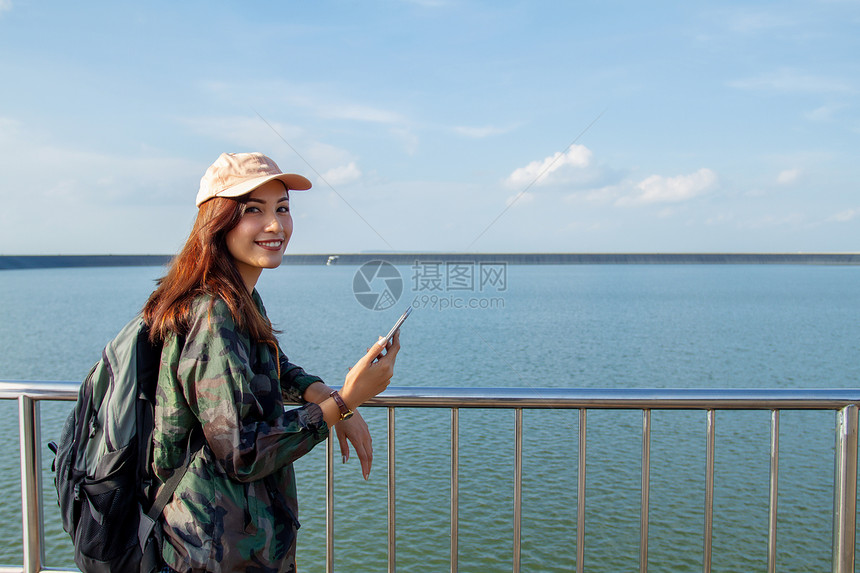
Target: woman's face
{"type": "Point", "coordinates": [259, 240]}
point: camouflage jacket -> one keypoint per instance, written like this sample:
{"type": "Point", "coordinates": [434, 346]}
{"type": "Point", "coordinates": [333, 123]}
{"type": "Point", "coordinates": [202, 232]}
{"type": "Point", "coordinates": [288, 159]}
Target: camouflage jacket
{"type": "Point", "coordinates": [235, 509]}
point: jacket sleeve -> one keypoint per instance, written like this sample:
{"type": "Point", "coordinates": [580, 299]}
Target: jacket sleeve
{"type": "Point", "coordinates": [294, 380]}
{"type": "Point", "coordinates": [241, 412]}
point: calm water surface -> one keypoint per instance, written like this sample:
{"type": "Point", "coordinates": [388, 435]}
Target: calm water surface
{"type": "Point", "coordinates": [559, 326]}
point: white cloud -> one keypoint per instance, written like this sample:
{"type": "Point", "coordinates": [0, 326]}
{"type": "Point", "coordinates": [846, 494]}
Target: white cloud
{"type": "Point", "coordinates": [747, 22]}
{"type": "Point", "coordinates": [769, 221]}
{"type": "Point", "coordinates": [824, 113]}
{"type": "Point", "coordinates": [91, 201]}
{"type": "Point", "coordinates": [555, 169]}
{"type": "Point", "coordinates": [9, 126]}
{"type": "Point", "coordinates": [323, 157]}
{"type": "Point", "coordinates": [5, 5]}
{"type": "Point", "coordinates": [788, 176]}
{"type": "Point", "coordinates": [102, 177]}
{"type": "Point", "coordinates": [342, 175]}
{"type": "Point", "coordinates": [659, 189]}
{"type": "Point", "coordinates": [407, 138]}
{"type": "Point", "coordinates": [333, 109]}
{"type": "Point", "coordinates": [275, 94]}
{"type": "Point", "coordinates": [247, 133]}
{"type": "Point", "coordinates": [250, 133]}
{"type": "Point", "coordinates": [40, 169]}
{"type": "Point", "coordinates": [844, 216]}
{"type": "Point", "coordinates": [481, 132]}
{"type": "Point", "coordinates": [793, 81]}
{"type": "Point", "coordinates": [301, 101]}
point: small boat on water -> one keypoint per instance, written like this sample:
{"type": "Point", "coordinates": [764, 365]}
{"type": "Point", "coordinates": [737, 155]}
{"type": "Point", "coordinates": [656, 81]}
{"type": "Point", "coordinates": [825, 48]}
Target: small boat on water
{"type": "Point", "coordinates": [332, 259]}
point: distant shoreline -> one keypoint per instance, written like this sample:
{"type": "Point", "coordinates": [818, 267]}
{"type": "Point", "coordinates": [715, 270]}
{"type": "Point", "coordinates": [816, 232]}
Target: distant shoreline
{"type": "Point", "coordinates": [13, 262]}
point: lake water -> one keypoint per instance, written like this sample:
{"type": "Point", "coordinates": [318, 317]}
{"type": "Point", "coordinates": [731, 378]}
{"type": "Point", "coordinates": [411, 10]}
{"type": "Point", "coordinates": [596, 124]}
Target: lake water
{"type": "Point", "coordinates": [603, 326]}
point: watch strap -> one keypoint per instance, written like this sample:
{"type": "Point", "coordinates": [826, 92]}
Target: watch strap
{"type": "Point", "coordinates": [345, 412]}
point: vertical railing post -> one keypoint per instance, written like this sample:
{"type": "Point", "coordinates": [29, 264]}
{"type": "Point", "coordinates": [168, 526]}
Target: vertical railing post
{"type": "Point", "coordinates": [709, 492]}
{"type": "Point", "coordinates": [845, 490]}
{"type": "Point", "coordinates": [774, 492]}
{"type": "Point", "coordinates": [392, 526]}
{"type": "Point", "coordinates": [329, 504]}
{"type": "Point", "coordinates": [580, 497]}
{"type": "Point", "coordinates": [31, 483]}
{"type": "Point", "coordinates": [646, 491]}
{"type": "Point", "coordinates": [518, 488]}
{"type": "Point", "coordinates": [455, 489]}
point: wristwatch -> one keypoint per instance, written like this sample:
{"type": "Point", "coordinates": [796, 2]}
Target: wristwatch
{"type": "Point", "coordinates": [345, 413]}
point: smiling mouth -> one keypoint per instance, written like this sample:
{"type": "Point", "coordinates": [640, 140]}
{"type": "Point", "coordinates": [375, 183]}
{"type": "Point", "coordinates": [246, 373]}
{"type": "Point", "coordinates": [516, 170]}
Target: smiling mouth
{"type": "Point", "coordinates": [271, 245]}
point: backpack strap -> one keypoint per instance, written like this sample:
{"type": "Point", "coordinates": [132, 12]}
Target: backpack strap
{"type": "Point", "coordinates": [148, 519]}
{"type": "Point", "coordinates": [195, 443]}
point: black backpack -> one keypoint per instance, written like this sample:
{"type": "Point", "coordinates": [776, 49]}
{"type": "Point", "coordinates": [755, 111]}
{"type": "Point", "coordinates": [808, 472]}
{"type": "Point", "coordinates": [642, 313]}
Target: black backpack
{"type": "Point", "coordinates": [103, 460]}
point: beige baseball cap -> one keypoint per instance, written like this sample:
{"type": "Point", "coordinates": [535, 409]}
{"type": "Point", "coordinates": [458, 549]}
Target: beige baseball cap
{"type": "Point", "coordinates": [237, 174]}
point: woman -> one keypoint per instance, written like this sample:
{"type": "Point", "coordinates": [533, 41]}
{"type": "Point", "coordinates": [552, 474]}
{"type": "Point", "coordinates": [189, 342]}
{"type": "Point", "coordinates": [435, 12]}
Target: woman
{"type": "Point", "coordinates": [222, 371]}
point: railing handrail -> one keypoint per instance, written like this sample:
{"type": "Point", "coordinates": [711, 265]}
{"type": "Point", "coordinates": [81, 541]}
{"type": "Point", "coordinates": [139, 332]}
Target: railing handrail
{"type": "Point", "coordinates": [845, 401]}
{"type": "Point", "coordinates": [559, 398]}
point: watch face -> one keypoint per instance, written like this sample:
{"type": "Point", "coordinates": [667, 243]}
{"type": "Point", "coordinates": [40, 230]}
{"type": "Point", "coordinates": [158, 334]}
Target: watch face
{"type": "Point", "coordinates": [346, 416]}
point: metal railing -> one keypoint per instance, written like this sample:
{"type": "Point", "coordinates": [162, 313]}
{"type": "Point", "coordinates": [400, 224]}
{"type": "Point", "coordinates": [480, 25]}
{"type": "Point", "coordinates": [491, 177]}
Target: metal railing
{"type": "Point", "coordinates": [844, 402]}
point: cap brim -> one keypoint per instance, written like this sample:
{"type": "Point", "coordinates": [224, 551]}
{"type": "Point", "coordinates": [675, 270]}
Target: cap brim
{"type": "Point", "coordinates": [293, 181]}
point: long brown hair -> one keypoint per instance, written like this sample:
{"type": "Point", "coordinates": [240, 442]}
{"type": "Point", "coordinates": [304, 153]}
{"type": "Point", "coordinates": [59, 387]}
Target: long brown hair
{"type": "Point", "coordinates": [205, 266]}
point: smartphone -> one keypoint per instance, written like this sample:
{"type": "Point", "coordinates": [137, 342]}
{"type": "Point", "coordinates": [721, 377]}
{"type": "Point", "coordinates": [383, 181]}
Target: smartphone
{"type": "Point", "coordinates": [394, 328]}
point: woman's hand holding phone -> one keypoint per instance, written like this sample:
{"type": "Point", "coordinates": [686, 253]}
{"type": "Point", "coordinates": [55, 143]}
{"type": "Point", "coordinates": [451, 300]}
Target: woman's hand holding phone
{"type": "Point", "coordinates": [371, 374]}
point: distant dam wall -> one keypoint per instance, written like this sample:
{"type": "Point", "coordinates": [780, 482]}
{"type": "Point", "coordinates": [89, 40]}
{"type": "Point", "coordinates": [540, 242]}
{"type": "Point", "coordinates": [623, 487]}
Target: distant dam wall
{"type": "Point", "coordinates": [63, 261]}
{"type": "Point", "coordinates": [71, 261]}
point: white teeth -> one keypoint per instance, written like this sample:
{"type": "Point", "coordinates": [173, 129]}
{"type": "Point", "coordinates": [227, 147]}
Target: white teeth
{"type": "Point", "coordinates": [270, 243]}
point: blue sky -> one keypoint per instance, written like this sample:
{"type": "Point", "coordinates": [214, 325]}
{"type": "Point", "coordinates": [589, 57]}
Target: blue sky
{"type": "Point", "coordinates": [438, 125]}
